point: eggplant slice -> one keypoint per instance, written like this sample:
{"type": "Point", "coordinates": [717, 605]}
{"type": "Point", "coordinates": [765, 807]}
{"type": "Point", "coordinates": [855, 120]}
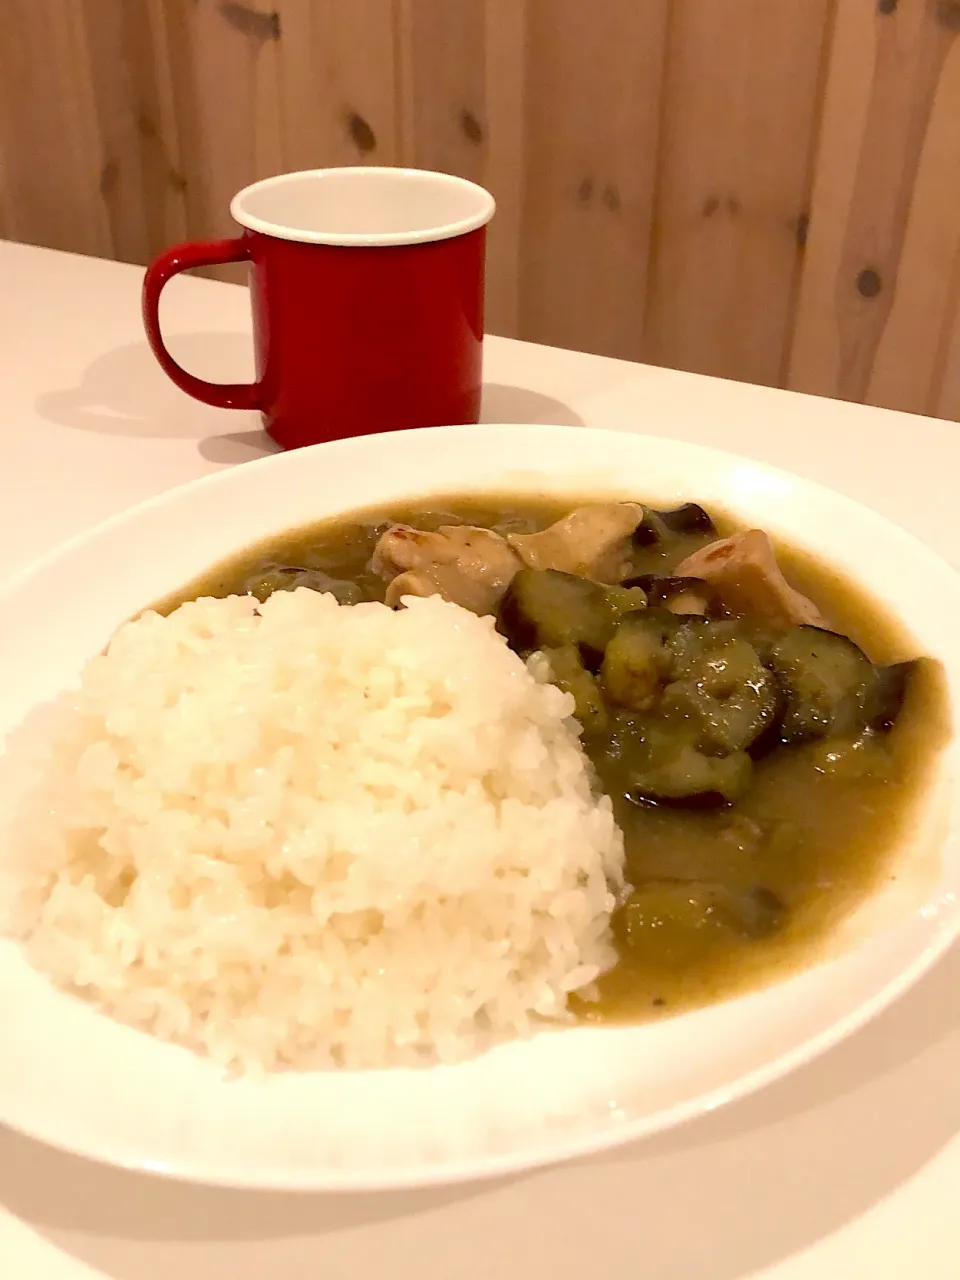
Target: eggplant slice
{"type": "Point", "coordinates": [548, 609]}
{"type": "Point", "coordinates": [683, 521]}
{"type": "Point", "coordinates": [700, 673]}
{"type": "Point", "coordinates": [831, 688]}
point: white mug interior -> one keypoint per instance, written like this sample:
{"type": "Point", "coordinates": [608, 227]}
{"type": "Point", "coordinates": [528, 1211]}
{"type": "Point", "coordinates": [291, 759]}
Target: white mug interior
{"type": "Point", "coordinates": [363, 206]}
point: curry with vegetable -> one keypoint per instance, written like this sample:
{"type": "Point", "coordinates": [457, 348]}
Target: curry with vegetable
{"type": "Point", "coordinates": [763, 729]}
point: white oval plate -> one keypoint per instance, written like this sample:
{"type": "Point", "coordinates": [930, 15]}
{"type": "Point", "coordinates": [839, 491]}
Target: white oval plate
{"type": "Point", "coordinates": [74, 1078]}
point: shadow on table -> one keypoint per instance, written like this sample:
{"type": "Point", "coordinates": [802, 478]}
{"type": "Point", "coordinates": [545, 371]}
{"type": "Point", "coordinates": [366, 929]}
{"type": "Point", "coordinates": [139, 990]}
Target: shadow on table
{"type": "Point", "coordinates": [503, 403]}
{"type": "Point", "coordinates": [771, 1175]}
{"type": "Point", "coordinates": [717, 1199]}
{"type": "Point", "coordinates": [124, 392]}
{"type": "Point", "coordinates": [99, 1200]}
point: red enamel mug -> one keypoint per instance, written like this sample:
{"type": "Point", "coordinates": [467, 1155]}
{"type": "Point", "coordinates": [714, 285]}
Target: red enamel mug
{"type": "Point", "coordinates": [367, 292]}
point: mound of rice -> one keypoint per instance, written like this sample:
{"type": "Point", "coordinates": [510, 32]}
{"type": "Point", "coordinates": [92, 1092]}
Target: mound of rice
{"type": "Point", "coordinates": [300, 834]}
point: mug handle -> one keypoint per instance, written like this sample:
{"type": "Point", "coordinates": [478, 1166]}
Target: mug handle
{"type": "Point", "coordinates": [195, 253]}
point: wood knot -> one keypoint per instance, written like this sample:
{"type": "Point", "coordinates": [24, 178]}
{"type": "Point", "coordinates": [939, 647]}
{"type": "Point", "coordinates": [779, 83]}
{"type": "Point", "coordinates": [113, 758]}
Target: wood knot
{"type": "Point", "coordinates": [887, 6]}
{"type": "Point", "coordinates": [585, 191]}
{"type": "Point", "coordinates": [869, 283]}
{"type": "Point", "coordinates": [713, 204]}
{"type": "Point", "coordinates": [948, 14]}
{"type": "Point", "coordinates": [611, 198]}
{"type": "Point", "coordinates": [802, 229]}
{"type": "Point", "coordinates": [362, 136]}
{"type": "Point", "coordinates": [471, 127]}
{"type": "Point", "coordinates": [251, 22]}
{"type": "Point", "coordinates": [109, 177]}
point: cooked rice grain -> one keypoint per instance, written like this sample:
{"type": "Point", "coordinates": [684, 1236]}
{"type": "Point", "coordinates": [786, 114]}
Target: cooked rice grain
{"type": "Point", "coordinates": [300, 834]}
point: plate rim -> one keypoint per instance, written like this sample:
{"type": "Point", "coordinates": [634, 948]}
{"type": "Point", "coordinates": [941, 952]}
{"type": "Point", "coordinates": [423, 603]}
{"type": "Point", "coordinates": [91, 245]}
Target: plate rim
{"type": "Point", "coordinates": [543, 1151]}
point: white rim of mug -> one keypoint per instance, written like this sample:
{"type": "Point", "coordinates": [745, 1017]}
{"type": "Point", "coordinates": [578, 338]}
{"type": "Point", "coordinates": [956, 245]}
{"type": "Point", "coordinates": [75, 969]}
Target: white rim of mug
{"type": "Point", "coordinates": [486, 206]}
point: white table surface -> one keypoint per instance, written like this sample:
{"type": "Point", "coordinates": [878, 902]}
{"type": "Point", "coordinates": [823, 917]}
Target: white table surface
{"type": "Point", "coordinates": [848, 1169]}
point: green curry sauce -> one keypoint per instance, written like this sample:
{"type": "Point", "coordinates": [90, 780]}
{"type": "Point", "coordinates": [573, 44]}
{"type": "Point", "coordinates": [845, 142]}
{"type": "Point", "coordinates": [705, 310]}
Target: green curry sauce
{"type": "Point", "coordinates": [813, 833]}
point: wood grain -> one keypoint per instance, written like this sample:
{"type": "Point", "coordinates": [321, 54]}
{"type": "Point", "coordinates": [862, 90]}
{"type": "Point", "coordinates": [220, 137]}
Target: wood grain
{"type": "Point", "coordinates": [506, 91]}
{"type": "Point", "coordinates": [914, 354]}
{"type": "Point", "coordinates": [943, 400]}
{"type": "Point", "coordinates": [943, 394]}
{"type": "Point", "coordinates": [50, 145]}
{"type": "Point", "coordinates": [887, 72]}
{"type": "Point", "coordinates": [140, 182]}
{"type": "Point", "coordinates": [461, 72]}
{"type": "Point", "coordinates": [225, 61]}
{"type": "Point", "coordinates": [444, 60]}
{"type": "Point", "coordinates": [740, 108]}
{"type": "Point", "coordinates": [592, 121]}
{"type": "Point", "coordinates": [338, 78]}
{"type": "Point", "coordinates": [760, 189]}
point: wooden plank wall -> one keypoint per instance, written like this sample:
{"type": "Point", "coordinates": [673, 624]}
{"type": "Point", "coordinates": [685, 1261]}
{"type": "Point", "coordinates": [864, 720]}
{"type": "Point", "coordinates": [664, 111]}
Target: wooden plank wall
{"type": "Point", "coordinates": [754, 189]}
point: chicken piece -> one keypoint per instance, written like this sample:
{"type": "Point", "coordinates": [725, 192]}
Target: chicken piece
{"type": "Point", "coordinates": [745, 572]}
{"type": "Point", "coordinates": [592, 542]}
{"type": "Point", "coordinates": [469, 566]}
{"type": "Point", "coordinates": [438, 580]}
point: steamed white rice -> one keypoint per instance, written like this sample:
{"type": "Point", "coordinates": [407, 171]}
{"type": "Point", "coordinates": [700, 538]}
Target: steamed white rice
{"type": "Point", "coordinates": [300, 834]}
